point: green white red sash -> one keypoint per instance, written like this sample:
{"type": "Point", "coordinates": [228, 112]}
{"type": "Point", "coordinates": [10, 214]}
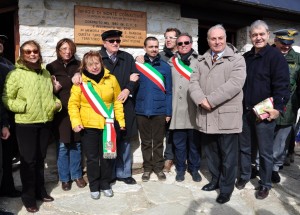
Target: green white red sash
{"type": "Point", "coordinates": [183, 69]}
{"type": "Point", "coordinates": [109, 132]}
{"type": "Point", "coordinates": [150, 72]}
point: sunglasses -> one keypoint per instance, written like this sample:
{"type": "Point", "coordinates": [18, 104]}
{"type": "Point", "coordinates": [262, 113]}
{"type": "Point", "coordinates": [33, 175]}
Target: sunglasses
{"type": "Point", "coordinates": [185, 43]}
{"type": "Point", "coordinates": [28, 52]}
{"type": "Point", "coordinates": [113, 41]}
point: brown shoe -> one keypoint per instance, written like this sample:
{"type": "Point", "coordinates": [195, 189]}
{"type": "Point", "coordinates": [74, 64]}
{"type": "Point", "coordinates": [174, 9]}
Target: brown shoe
{"type": "Point", "coordinates": [161, 176]}
{"type": "Point", "coordinates": [80, 182]}
{"type": "Point", "coordinates": [66, 186]}
{"type": "Point", "coordinates": [168, 165]}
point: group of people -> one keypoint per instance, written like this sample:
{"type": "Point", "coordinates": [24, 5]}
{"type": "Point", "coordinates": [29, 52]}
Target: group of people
{"type": "Point", "coordinates": [99, 103]}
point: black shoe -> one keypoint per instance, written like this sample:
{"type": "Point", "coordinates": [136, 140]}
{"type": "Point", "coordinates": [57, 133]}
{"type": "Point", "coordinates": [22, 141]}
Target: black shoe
{"type": "Point", "coordinates": [146, 176]}
{"type": "Point", "coordinates": [32, 209]}
{"type": "Point", "coordinates": [223, 198]}
{"type": "Point", "coordinates": [179, 176]}
{"type": "Point", "coordinates": [5, 212]}
{"type": "Point", "coordinates": [275, 177]}
{"type": "Point", "coordinates": [12, 194]}
{"type": "Point", "coordinates": [210, 187]}
{"type": "Point", "coordinates": [241, 183]}
{"type": "Point", "coordinates": [161, 176]}
{"type": "Point", "coordinates": [196, 176]}
{"type": "Point", "coordinates": [262, 192]}
{"type": "Point", "coordinates": [128, 180]}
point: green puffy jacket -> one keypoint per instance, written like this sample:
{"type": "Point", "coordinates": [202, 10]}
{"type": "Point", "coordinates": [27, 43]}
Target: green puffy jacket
{"type": "Point", "coordinates": [290, 115]}
{"type": "Point", "coordinates": [29, 95]}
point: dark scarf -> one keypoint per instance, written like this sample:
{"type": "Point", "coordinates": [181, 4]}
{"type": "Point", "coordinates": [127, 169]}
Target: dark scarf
{"type": "Point", "coordinates": [94, 77]}
{"type": "Point", "coordinates": [37, 67]}
{"type": "Point", "coordinates": [185, 57]}
{"type": "Point", "coordinates": [168, 52]}
{"type": "Point", "coordinates": [155, 62]}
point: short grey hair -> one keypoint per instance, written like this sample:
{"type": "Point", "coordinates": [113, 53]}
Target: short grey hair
{"type": "Point", "coordinates": [218, 26]}
{"type": "Point", "coordinates": [257, 24]}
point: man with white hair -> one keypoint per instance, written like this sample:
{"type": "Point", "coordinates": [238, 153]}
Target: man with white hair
{"type": "Point", "coordinates": [216, 89]}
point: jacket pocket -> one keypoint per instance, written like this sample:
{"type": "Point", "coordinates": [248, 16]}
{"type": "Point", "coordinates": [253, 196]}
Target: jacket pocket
{"type": "Point", "coordinates": [228, 118]}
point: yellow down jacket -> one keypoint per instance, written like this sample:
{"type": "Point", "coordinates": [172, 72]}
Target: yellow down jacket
{"type": "Point", "coordinates": [81, 112]}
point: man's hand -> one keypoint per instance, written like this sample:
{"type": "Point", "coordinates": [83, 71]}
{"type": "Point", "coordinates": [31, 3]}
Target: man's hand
{"type": "Point", "coordinates": [77, 79]}
{"type": "Point", "coordinates": [134, 77]}
{"type": "Point", "coordinates": [78, 128]}
{"type": "Point", "coordinates": [5, 133]}
{"type": "Point", "coordinates": [273, 113]}
{"type": "Point", "coordinates": [123, 95]}
{"type": "Point", "coordinates": [140, 59]}
{"type": "Point", "coordinates": [168, 118]}
{"type": "Point", "coordinates": [205, 104]}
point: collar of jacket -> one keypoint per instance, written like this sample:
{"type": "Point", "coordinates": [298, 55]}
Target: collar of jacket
{"type": "Point", "coordinates": [193, 55]}
{"type": "Point", "coordinates": [292, 57]}
{"type": "Point", "coordinates": [104, 54]}
{"type": "Point", "coordinates": [261, 52]}
{"type": "Point", "coordinates": [229, 53]}
{"type": "Point", "coordinates": [21, 66]}
{"type": "Point", "coordinates": [168, 52]}
{"type": "Point", "coordinates": [105, 76]}
{"type": "Point", "coordinates": [155, 62]}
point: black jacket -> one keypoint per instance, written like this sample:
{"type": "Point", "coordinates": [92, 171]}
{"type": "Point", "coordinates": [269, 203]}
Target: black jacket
{"type": "Point", "coordinates": [267, 76]}
{"type": "Point", "coordinates": [123, 67]}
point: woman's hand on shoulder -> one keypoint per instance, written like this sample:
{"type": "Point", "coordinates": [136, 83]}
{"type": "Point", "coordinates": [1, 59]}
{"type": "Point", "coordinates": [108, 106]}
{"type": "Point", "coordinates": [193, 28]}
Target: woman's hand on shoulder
{"type": "Point", "coordinates": [77, 78]}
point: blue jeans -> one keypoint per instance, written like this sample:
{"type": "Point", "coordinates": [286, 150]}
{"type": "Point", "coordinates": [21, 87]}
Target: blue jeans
{"type": "Point", "coordinates": [264, 132]}
{"type": "Point", "coordinates": [69, 161]}
{"type": "Point", "coordinates": [281, 134]}
{"type": "Point", "coordinates": [186, 142]}
{"type": "Point", "coordinates": [123, 160]}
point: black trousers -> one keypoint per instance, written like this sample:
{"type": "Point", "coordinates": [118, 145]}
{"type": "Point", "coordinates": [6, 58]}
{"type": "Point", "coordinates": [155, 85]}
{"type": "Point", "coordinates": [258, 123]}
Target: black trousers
{"type": "Point", "coordinates": [152, 133]}
{"type": "Point", "coordinates": [99, 170]}
{"type": "Point", "coordinates": [7, 185]}
{"type": "Point", "coordinates": [222, 158]}
{"type": "Point", "coordinates": [33, 141]}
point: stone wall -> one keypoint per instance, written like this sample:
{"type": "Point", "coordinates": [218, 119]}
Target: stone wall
{"type": "Point", "coordinates": [48, 21]}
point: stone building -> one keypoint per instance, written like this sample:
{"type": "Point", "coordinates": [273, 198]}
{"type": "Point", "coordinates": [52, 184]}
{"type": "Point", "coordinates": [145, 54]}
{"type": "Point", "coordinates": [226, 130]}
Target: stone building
{"type": "Point", "coordinates": [48, 21]}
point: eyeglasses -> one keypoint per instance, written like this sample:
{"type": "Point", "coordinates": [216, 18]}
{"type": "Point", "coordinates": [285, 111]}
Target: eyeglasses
{"type": "Point", "coordinates": [28, 52]}
{"type": "Point", "coordinates": [65, 49]}
{"type": "Point", "coordinates": [185, 43]}
{"type": "Point", "coordinates": [113, 41]}
{"type": "Point", "coordinates": [171, 38]}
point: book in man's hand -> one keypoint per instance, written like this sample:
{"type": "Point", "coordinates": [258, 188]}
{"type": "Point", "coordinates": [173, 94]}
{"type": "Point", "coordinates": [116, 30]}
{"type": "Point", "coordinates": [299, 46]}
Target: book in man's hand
{"type": "Point", "coordinates": [259, 108]}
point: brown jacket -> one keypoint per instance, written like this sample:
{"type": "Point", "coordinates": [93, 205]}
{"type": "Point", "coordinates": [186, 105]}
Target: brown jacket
{"type": "Point", "coordinates": [222, 85]}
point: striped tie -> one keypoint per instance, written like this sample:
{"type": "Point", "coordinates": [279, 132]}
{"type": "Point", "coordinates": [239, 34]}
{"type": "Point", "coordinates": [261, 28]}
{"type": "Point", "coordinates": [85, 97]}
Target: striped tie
{"type": "Point", "coordinates": [214, 59]}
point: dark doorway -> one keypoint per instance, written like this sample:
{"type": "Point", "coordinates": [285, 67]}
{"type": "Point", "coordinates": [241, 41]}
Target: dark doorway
{"type": "Point", "coordinates": [7, 28]}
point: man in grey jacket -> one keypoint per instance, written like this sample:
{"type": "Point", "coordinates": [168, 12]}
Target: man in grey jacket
{"type": "Point", "coordinates": [216, 88]}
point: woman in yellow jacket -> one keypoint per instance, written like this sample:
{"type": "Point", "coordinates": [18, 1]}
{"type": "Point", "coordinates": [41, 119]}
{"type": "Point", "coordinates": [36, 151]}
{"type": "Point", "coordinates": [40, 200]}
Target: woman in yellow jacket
{"type": "Point", "coordinates": [92, 107]}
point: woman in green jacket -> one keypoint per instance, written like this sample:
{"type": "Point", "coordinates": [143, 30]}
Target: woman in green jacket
{"type": "Point", "coordinates": [28, 92]}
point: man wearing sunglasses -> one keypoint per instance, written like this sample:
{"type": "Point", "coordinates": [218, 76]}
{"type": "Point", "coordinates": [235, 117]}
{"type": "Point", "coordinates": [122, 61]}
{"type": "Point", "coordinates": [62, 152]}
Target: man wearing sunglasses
{"type": "Point", "coordinates": [122, 65]}
{"type": "Point", "coordinates": [216, 88]}
{"type": "Point", "coordinates": [183, 123]}
{"type": "Point", "coordinates": [284, 39]}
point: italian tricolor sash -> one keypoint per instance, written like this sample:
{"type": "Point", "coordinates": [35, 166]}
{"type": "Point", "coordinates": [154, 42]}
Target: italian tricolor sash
{"type": "Point", "coordinates": [150, 72]}
{"type": "Point", "coordinates": [183, 69]}
{"type": "Point", "coordinates": [109, 132]}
